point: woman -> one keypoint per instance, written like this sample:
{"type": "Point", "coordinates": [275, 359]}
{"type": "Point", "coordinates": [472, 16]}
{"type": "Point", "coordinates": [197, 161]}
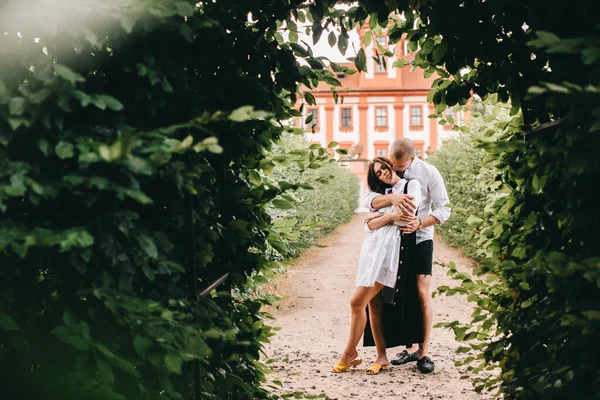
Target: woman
{"type": "Point", "coordinates": [378, 266]}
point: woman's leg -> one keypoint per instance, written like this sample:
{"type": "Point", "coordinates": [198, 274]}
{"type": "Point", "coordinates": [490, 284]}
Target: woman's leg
{"type": "Point", "coordinates": [358, 304]}
{"type": "Point", "coordinates": [375, 317]}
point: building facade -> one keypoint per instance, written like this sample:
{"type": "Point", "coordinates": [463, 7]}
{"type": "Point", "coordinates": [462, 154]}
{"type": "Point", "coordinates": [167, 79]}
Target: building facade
{"type": "Point", "coordinates": [376, 107]}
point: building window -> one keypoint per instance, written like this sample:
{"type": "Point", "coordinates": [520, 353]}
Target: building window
{"type": "Point", "coordinates": [381, 153]}
{"type": "Point", "coordinates": [314, 121]}
{"type": "Point", "coordinates": [346, 117]}
{"type": "Point", "coordinates": [380, 67]}
{"type": "Point", "coordinates": [416, 116]}
{"type": "Point", "coordinates": [405, 47]}
{"type": "Point", "coordinates": [380, 117]}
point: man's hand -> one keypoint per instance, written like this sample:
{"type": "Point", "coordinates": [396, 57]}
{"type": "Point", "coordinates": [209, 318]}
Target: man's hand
{"type": "Point", "coordinates": [412, 224]}
{"type": "Point", "coordinates": [397, 216]}
{"type": "Point", "coordinates": [403, 202]}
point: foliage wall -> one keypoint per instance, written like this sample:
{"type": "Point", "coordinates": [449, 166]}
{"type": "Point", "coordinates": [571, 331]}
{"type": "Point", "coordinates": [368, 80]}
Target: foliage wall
{"type": "Point", "coordinates": [460, 164]}
{"type": "Point", "coordinates": [469, 174]}
{"type": "Point", "coordinates": [540, 320]}
{"type": "Point", "coordinates": [317, 208]}
{"type": "Point", "coordinates": [130, 162]}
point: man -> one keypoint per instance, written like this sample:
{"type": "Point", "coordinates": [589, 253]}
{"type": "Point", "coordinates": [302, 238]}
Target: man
{"type": "Point", "coordinates": [433, 190]}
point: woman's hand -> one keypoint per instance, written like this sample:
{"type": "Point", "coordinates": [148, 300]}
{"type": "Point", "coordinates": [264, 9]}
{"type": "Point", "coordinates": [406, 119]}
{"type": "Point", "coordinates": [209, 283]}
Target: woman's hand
{"type": "Point", "coordinates": [412, 224]}
{"type": "Point", "coordinates": [398, 216]}
{"type": "Point", "coordinates": [403, 202]}
{"type": "Point", "coordinates": [371, 216]}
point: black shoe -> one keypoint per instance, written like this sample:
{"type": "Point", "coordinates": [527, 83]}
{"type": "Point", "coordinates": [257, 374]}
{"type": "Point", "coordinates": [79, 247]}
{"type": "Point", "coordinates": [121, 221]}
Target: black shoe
{"type": "Point", "coordinates": [425, 365]}
{"type": "Point", "coordinates": [405, 357]}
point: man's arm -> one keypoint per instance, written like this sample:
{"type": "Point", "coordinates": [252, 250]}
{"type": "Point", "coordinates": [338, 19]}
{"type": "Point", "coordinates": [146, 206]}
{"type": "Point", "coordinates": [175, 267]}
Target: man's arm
{"type": "Point", "coordinates": [399, 200]}
{"type": "Point", "coordinates": [439, 197]}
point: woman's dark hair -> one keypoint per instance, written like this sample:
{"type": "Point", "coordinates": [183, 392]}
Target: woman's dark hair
{"type": "Point", "coordinates": [372, 180]}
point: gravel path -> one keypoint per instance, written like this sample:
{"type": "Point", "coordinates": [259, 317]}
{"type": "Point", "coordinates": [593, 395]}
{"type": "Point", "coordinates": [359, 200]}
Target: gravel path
{"type": "Point", "coordinates": [314, 320]}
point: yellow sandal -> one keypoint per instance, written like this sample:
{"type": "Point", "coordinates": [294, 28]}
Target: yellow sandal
{"type": "Point", "coordinates": [375, 368]}
{"type": "Point", "coordinates": [342, 366]}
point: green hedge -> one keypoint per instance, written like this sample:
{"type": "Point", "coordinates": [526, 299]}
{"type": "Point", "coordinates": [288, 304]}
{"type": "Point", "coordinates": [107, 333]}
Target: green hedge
{"type": "Point", "coordinates": [462, 165]}
{"type": "Point", "coordinates": [318, 208]}
{"type": "Point", "coordinates": [130, 161]}
{"type": "Point", "coordinates": [469, 173]}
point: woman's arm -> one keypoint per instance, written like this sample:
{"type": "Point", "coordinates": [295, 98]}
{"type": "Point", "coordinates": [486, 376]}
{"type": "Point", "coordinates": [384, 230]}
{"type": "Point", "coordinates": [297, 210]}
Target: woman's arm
{"type": "Point", "coordinates": [412, 221]}
{"type": "Point", "coordinates": [383, 220]}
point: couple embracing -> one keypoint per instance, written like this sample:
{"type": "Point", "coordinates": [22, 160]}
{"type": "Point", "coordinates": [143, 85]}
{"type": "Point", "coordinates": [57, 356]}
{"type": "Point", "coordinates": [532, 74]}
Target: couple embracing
{"type": "Point", "coordinates": [391, 305]}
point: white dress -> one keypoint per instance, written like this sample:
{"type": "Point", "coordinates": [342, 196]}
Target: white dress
{"type": "Point", "coordinates": [380, 251]}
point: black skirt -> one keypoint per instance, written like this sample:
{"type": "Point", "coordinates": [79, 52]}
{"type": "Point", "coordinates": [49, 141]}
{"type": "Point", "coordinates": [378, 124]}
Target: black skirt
{"type": "Point", "coordinates": [402, 317]}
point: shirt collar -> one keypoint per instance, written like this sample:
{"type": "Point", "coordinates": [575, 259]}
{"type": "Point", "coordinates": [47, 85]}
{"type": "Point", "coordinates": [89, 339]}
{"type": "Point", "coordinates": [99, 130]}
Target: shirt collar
{"type": "Point", "coordinates": [412, 164]}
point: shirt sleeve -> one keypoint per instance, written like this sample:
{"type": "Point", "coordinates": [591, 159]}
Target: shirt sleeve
{"type": "Point", "coordinates": [414, 189]}
{"type": "Point", "coordinates": [369, 196]}
{"type": "Point", "coordinates": [366, 227]}
{"type": "Point", "coordinates": [439, 197]}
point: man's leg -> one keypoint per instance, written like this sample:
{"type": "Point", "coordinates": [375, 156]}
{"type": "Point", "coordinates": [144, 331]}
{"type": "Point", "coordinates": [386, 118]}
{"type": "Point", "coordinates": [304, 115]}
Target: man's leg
{"type": "Point", "coordinates": [410, 354]}
{"type": "Point", "coordinates": [424, 264]}
{"type": "Point", "coordinates": [423, 282]}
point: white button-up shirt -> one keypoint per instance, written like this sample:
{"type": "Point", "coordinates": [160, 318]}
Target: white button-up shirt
{"type": "Point", "coordinates": [433, 191]}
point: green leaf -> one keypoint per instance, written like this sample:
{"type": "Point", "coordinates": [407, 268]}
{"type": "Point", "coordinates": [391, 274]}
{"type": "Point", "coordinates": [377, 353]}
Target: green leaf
{"type": "Point", "coordinates": [242, 114]}
{"type": "Point", "coordinates": [367, 38]}
{"type": "Point", "coordinates": [538, 182]}
{"type": "Point", "coordinates": [142, 345]}
{"type": "Point", "coordinates": [592, 315]}
{"type": "Point", "coordinates": [519, 252]}
{"type": "Point", "coordinates": [394, 35]}
{"type": "Point", "coordinates": [293, 36]}
{"type": "Point", "coordinates": [67, 74]}
{"type": "Point", "coordinates": [544, 39]}
{"type": "Point", "coordinates": [254, 177]}
{"type": "Point", "coordinates": [141, 69]}
{"type": "Point", "coordinates": [591, 55]}
{"type": "Point", "coordinates": [44, 146]}
{"type": "Point", "coordinates": [173, 363]}
{"type": "Point", "coordinates": [527, 303]}
{"type": "Point", "coordinates": [440, 51]}
{"type": "Point", "coordinates": [283, 204]}
{"type": "Point", "coordinates": [333, 144]}
{"type": "Point", "coordinates": [343, 43]}
{"type": "Point", "coordinates": [332, 39]}
{"type": "Point", "coordinates": [310, 99]}
{"type": "Point", "coordinates": [317, 31]}
{"type": "Point", "coordinates": [64, 150]}
{"type": "Point", "coordinates": [474, 221]}
{"type": "Point", "coordinates": [187, 32]}
{"type": "Point", "coordinates": [16, 106]}
{"type": "Point", "coordinates": [463, 349]}
{"type": "Point", "coordinates": [147, 245]}
{"type": "Point", "coordinates": [184, 8]}
{"type": "Point", "coordinates": [7, 323]}
{"type": "Point", "coordinates": [109, 101]}
{"type": "Point", "coordinates": [399, 63]}
{"type": "Point", "coordinates": [361, 61]}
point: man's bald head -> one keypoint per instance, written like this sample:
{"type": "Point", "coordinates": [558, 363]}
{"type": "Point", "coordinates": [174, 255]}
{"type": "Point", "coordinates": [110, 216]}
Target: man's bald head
{"type": "Point", "coordinates": [401, 148]}
{"type": "Point", "coordinates": [402, 154]}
